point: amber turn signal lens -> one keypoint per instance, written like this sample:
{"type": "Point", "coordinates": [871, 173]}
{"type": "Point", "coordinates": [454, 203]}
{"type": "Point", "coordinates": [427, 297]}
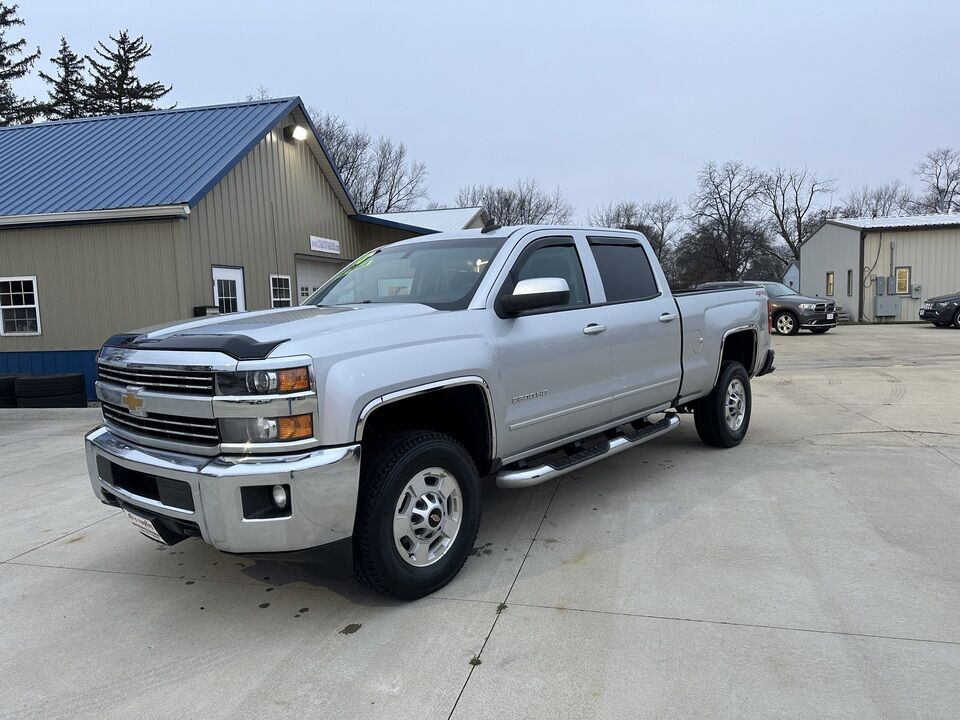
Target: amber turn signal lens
{"type": "Point", "coordinates": [295, 427]}
{"type": "Point", "coordinates": [294, 379]}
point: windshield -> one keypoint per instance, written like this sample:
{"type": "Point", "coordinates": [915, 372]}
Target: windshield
{"type": "Point", "coordinates": [442, 274]}
{"type": "Point", "coordinates": [778, 290]}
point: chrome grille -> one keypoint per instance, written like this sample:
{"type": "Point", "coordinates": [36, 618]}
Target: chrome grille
{"type": "Point", "coordinates": [184, 382]}
{"type": "Point", "coordinates": [824, 307]}
{"type": "Point", "coordinates": [199, 431]}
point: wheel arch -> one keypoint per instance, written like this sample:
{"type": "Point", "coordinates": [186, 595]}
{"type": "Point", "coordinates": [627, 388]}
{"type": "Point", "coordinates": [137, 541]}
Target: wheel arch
{"type": "Point", "coordinates": [738, 344]}
{"type": "Point", "coordinates": [461, 407]}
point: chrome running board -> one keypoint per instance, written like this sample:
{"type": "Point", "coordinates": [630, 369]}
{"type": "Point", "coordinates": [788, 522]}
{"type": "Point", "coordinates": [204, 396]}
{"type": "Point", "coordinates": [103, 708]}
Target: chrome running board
{"type": "Point", "coordinates": [525, 477]}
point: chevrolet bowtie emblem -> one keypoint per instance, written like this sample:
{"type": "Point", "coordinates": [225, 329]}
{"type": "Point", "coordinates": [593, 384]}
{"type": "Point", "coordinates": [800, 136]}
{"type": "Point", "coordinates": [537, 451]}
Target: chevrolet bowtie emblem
{"type": "Point", "coordinates": [132, 401]}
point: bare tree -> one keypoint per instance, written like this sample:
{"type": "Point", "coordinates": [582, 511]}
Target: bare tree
{"type": "Point", "coordinates": [380, 174]}
{"type": "Point", "coordinates": [623, 214]}
{"type": "Point", "coordinates": [790, 196]}
{"type": "Point", "coordinates": [939, 173]}
{"type": "Point", "coordinates": [658, 220]}
{"type": "Point", "coordinates": [524, 203]}
{"type": "Point", "coordinates": [728, 227]}
{"type": "Point", "coordinates": [663, 219]}
{"type": "Point", "coordinates": [889, 199]}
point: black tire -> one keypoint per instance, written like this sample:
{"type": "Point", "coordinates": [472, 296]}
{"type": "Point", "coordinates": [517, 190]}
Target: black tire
{"type": "Point", "coordinates": [956, 320]}
{"type": "Point", "coordinates": [76, 400]}
{"type": "Point", "coordinates": [384, 475]}
{"type": "Point", "coordinates": [7, 384]}
{"type": "Point", "coordinates": [819, 331]}
{"type": "Point", "coordinates": [709, 416]}
{"type": "Point", "coordinates": [786, 323]}
{"type": "Point", "coordinates": [8, 401]}
{"type": "Point", "coordinates": [40, 386]}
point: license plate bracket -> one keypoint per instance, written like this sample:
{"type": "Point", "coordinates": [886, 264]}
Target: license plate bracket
{"type": "Point", "coordinates": [146, 526]}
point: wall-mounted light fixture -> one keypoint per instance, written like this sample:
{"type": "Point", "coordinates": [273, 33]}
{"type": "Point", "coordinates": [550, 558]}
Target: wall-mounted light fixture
{"type": "Point", "coordinates": [294, 132]}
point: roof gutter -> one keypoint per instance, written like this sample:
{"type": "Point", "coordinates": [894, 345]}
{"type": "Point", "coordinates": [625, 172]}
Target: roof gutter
{"type": "Point", "coordinates": [179, 210]}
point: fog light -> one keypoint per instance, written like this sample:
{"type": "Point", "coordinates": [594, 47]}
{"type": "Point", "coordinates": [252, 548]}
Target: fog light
{"type": "Point", "coordinates": [279, 496]}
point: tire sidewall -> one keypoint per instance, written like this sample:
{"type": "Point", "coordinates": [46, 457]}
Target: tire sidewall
{"type": "Point", "coordinates": [394, 569]}
{"type": "Point", "coordinates": [956, 320]}
{"type": "Point", "coordinates": [776, 326]}
{"type": "Point", "coordinates": [734, 371]}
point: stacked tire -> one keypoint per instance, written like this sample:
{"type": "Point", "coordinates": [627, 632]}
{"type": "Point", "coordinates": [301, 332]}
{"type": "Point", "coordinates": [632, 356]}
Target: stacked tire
{"type": "Point", "coordinates": [51, 391]}
{"type": "Point", "coordinates": [8, 393]}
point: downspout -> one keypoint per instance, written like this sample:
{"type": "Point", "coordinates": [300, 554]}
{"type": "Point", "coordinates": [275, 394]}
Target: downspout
{"type": "Point", "coordinates": [863, 237]}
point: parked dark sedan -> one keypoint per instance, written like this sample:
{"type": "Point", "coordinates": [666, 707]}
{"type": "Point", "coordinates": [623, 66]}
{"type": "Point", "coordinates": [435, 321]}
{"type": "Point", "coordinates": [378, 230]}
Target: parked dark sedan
{"type": "Point", "coordinates": [943, 310]}
{"type": "Point", "coordinates": [789, 311]}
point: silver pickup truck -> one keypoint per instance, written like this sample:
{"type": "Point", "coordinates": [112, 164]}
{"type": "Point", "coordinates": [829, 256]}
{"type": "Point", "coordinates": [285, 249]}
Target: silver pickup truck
{"type": "Point", "coordinates": [373, 409]}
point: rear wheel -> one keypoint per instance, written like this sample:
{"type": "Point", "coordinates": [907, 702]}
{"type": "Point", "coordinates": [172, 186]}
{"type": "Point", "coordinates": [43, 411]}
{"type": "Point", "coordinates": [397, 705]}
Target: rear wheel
{"type": "Point", "coordinates": [723, 416]}
{"type": "Point", "coordinates": [819, 331]}
{"type": "Point", "coordinates": [418, 514]}
{"type": "Point", "coordinates": [785, 323]}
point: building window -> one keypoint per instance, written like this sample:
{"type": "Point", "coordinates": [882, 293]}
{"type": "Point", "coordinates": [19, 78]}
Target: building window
{"type": "Point", "coordinates": [830, 284]}
{"type": "Point", "coordinates": [19, 306]}
{"type": "Point", "coordinates": [903, 280]}
{"type": "Point", "coordinates": [280, 291]}
{"type": "Point", "coordinates": [849, 283]}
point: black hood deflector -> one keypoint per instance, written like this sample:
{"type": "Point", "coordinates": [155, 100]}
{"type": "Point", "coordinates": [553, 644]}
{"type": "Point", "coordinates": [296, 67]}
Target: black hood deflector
{"type": "Point", "coordinates": [239, 347]}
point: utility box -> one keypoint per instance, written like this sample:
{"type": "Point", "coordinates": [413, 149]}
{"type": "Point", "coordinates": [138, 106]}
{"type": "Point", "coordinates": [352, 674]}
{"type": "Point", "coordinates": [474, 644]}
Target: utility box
{"type": "Point", "coordinates": [886, 306]}
{"type": "Point", "coordinates": [916, 292]}
{"type": "Point", "coordinates": [880, 285]}
{"type": "Point", "coordinates": [891, 285]}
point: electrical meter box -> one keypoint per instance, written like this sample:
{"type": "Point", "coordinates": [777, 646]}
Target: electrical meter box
{"type": "Point", "coordinates": [891, 285]}
{"type": "Point", "coordinates": [880, 285]}
{"type": "Point", "coordinates": [886, 306]}
{"type": "Point", "coordinates": [916, 292]}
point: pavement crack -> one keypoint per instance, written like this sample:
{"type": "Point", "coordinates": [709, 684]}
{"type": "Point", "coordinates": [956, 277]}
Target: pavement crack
{"type": "Point", "coordinates": [57, 539]}
{"type": "Point", "coordinates": [503, 603]}
{"type": "Point", "coordinates": [731, 623]}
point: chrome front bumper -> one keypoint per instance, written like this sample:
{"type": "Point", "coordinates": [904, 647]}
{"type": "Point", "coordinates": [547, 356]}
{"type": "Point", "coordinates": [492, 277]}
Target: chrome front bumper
{"type": "Point", "coordinates": [323, 492]}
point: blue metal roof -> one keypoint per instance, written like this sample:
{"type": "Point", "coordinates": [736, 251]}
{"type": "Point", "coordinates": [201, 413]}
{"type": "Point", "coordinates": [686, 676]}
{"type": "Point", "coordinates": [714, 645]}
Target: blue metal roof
{"type": "Point", "coordinates": [128, 161]}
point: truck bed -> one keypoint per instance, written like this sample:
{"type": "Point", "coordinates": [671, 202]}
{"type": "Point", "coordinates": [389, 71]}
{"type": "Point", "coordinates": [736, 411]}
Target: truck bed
{"type": "Point", "coordinates": [707, 316]}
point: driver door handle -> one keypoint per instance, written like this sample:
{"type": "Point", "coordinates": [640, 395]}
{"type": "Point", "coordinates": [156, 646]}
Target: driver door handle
{"type": "Point", "coordinates": [594, 329]}
{"type": "Point", "coordinates": [668, 317]}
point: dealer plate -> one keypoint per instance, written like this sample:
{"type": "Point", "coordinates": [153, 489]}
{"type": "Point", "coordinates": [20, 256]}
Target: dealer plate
{"type": "Point", "coordinates": [145, 526]}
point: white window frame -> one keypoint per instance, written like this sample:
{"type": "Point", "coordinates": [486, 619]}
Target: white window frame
{"type": "Point", "coordinates": [35, 306]}
{"type": "Point", "coordinates": [273, 298]}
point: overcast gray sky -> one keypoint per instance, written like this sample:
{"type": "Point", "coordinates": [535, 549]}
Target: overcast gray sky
{"type": "Point", "coordinates": [606, 99]}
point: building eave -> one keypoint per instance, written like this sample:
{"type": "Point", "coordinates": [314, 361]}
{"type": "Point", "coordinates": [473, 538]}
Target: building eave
{"type": "Point", "coordinates": [153, 212]}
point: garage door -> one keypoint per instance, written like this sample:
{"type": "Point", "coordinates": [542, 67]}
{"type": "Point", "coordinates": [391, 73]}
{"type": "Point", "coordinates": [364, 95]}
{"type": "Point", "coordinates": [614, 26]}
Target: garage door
{"type": "Point", "coordinates": [311, 274]}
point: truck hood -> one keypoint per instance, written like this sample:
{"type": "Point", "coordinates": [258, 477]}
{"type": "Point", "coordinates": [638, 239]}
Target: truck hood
{"type": "Point", "coordinates": [255, 334]}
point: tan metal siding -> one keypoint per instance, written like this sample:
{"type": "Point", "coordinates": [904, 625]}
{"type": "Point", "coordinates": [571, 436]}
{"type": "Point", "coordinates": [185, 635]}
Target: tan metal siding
{"type": "Point", "coordinates": [831, 249]}
{"type": "Point", "coordinates": [261, 215]}
{"type": "Point", "coordinates": [93, 280]}
{"type": "Point", "coordinates": [932, 254]}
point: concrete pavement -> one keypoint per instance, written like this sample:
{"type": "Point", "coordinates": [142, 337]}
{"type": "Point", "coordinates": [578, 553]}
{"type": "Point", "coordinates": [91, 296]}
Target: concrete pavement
{"type": "Point", "coordinates": [812, 572]}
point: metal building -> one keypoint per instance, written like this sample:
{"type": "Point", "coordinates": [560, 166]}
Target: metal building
{"type": "Point", "coordinates": [114, 223]}
{"type": "Point", "coordinates": [881, 269]}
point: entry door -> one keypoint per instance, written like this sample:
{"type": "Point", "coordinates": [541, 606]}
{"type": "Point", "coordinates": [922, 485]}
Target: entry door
{"type": "Point", "coordinates": [555, 363]}
{"type": "Point", "coordinates": [228, 292]}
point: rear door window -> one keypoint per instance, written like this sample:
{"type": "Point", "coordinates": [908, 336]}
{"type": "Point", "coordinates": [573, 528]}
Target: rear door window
{"type": "Point", "coordinates": [624, 269]}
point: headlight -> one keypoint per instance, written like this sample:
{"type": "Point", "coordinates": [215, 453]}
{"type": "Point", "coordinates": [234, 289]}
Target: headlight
{"type": "Point", "coordinates": [260, 430]}
{"type": "Point", "coordinates": [808, 306]}
{"type": "Point", "coordinates": [263, 382]}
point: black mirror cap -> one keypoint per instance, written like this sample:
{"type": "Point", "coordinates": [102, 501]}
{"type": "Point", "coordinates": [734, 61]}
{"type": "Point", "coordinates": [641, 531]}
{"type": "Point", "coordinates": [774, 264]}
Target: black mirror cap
{"type": "Point", "coordinates": [517, 304]}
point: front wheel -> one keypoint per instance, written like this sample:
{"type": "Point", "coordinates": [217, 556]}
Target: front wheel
{"type": "Point", "coordinates": [723, 416]}
{"type": "Point", "coordinates": [417, 516]}
{"type": "Point", "coordinates": [956, 320]}
{"type": "Point", "coordinates": [785, 323]}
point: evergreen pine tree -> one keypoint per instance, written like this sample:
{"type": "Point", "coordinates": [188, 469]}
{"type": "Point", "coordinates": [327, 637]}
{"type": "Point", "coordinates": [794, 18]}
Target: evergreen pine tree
{"type": "Point", "coordinates": [14, 64]}
{"type": "Point", "coordinates": [66, 94]}
{"type": "Point", "coordinates": [114, 86]}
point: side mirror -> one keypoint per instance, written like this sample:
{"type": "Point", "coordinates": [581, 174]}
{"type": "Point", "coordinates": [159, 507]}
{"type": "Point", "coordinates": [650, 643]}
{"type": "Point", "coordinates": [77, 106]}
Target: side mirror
{"type": "Point", "coordinates": [536, 294]}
